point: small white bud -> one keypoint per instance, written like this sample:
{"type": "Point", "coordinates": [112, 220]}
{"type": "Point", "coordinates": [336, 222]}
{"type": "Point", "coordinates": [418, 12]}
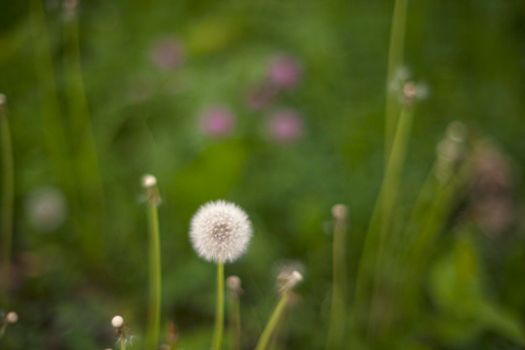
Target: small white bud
{"type": "Point", "coordinates": [234, 283]}
{"type": "Point", "coordinates": [339, 211]}
{"type": "Point", "coordinates": [117, 321]}
{"type": "Point", "coordinates": [11, 317]}
{"type": "Point", "coordinates": [149, 181]}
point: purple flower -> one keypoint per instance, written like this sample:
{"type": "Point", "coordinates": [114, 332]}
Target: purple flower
{"type": "Point", "coordinates": [217, 121]}
{"type": "Point", "coordinates": [167, 54]}
{"type": "Point", "coordinates": [286, 126]}
{"type": "Point", "coordinates": [284, 72]}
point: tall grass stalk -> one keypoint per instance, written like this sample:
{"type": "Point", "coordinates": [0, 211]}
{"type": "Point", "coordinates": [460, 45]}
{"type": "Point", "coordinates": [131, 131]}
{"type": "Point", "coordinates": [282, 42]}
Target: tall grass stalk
{"type": "Point", "coordinates": [86, 164]}
{"type": "Point", "coordinates": [219, 308]}
{"type": "Point", "coordinates": [271, 326]}
{"type": "Point", "coordinates": [338, 303]}
{"type": "Point", "coordinates": [371, 260]}
{"type": "Point", "coordinates": [54, 133]}
{"type": "Point", "coordinates": [153, 327]}
{"type": "Point", "coordinates": [8, 194]}
{"type": "Point", "coordinates": [395, 62]}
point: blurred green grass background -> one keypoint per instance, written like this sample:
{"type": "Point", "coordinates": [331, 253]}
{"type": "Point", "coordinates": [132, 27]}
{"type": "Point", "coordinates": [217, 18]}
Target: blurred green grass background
{"type": "Point", "coordinates": [92, 108]}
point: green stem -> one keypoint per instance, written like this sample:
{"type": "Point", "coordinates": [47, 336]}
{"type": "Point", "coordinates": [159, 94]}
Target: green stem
{"type": "Point", "coordinates": [219, 308]}
{"type": "Point", "coordinates": [85, 157]}
{"type": "Point", "coordinates": [380, 223]}
{"type": "Point", "coordinates": [266, 335]}
{"type": "Point", "coordinates": [235, 321]}
{"type": "Point", "coordinates": [395, 61]}
{"type": "Point", "coordinates": [389, 196]}
{"type": "Point", "coordinates": [122, 344]}
{"type": "Point", "coordinates": [8, 191]}
{"type": "Point", "coordinates": [152, 339]}
{"type": "Point", "coordinates": [338, 307]}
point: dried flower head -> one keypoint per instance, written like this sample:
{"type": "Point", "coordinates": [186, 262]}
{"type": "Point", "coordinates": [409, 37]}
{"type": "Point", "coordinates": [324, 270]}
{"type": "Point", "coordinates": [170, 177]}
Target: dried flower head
{"type": "Point", "coordinates": [220, 231]}
{"type": "Point", "coordinates": [117, 321]}
{"type": "Point", "coordinates": [288, 279]}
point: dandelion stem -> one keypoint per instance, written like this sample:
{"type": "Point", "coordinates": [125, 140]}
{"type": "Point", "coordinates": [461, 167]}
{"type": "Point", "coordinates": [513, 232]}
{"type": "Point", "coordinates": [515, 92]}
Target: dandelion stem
{"type": "Point", "coordinates": [395, 61]}
{"type": "Point", "coordinates": [7, 189]}
{"type": "Point", "coordinates": [266, 335]}
{"type": "Point", "coordinates": [219, 311]}
{"type": "Point", "coordinates": [235, 321]}
{"type": "Point", "coordinates": [152, 338]}
{"type": "Point", "coordinates": [338, 307]}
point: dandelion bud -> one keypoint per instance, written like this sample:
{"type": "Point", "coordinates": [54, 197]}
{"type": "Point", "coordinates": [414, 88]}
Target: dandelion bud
{"type": "Point", "coordinates": [234, 284]}
{"type": "Point", "coordinates": [220, 232]}
{"type": "Point", "coordinates": [11, 317]}
{"type": "Point", "coordinates": [2, 100]}
{"type": "Point", "coordinates": [149, 181]}
{"type": "Point", "coordinates": [117, 321]}
{"type": "Point", "coordinates": [339, 211]}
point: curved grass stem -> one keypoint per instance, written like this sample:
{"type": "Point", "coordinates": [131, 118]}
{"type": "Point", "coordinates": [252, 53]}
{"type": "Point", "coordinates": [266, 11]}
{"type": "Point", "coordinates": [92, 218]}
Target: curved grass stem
{"type": "Point", "coordinates": [269, 330]}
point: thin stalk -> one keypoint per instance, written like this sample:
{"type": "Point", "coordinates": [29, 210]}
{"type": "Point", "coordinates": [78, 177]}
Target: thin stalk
{"type": "Point", "coordinates": [395, 61]}
{"type": "Point", "coordinates": [8, 191]}
{"type": "Point", "coordinates": [85, 157]}
{"type": "Point", "coordinates": [381, 218]}
{"type": "Point", "coordinates": [235, 321]}
{"type": "Point", "coordinates": [219, 308]}
{"type": "Point", "coordinates": [269, 330]}
{"type": "Point", "coordinates": [122, 344]}
{"type": "Point", "coordinates": [389, 196]}
{"type": "Point", "coordinates": [338, 307]}
{"type": "Point", "coordinates": [152, 338]}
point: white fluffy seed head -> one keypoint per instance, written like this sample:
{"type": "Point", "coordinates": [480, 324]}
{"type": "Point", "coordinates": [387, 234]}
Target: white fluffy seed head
{"type": "Point", "coordinates": [11, 317]}
{"type": "Point", "coordinates": [117, 321]}
{"type": "Point", "coordinates": [149, 181]}
{"type": "Point", "coordinates": [220, 231]}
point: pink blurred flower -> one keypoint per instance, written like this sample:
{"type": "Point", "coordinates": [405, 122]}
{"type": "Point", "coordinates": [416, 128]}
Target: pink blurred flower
{"type": "Point", "coordinates": [284, 72]}
{"type": "Point", "coordinates": [167, 54]}
{"type": "Point", "coordinates": [217, 121]}
{"type": "Point", "coordinates": [286, 126]}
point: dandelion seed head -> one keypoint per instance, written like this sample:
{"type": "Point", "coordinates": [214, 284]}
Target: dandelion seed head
{"type": "Point", "coordinates": [288, 279]}
{"type": "Point", "coordinates": [11, 317]}
{"type": "Point", "coordinates": [149, 181]}
{"type": "Point", "coordinates": [220, 231]}
{"type": "Point", "coordinates": [117, 321]}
